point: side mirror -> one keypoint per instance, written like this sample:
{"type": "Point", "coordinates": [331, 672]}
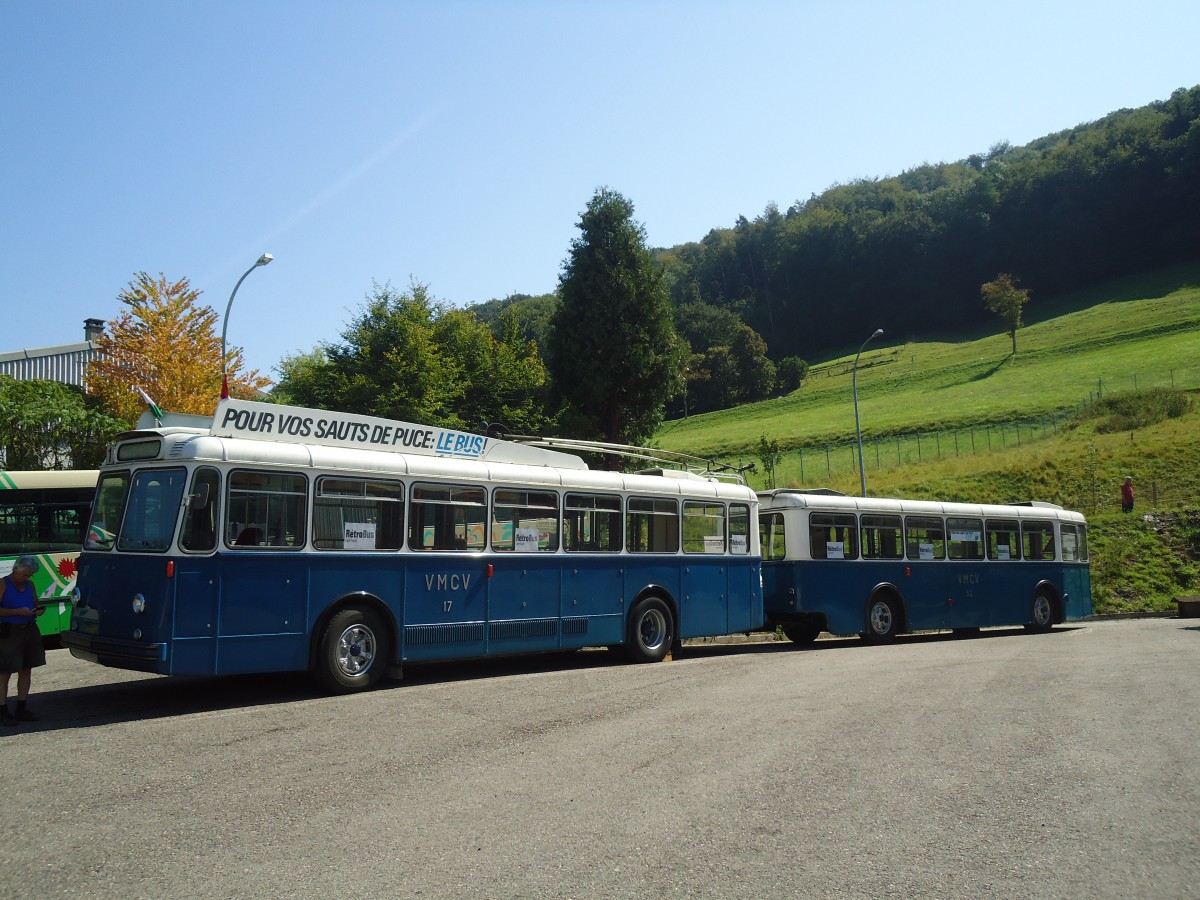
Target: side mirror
{"type": "Point", "coordinates": [199, 500]}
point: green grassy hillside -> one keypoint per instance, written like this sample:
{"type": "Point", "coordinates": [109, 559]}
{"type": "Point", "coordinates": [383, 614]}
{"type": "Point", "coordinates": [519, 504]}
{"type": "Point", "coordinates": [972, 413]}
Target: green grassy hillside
{"type": "Point", "coordinates": [1132, 333]}
{"type": "Point", "coordinates": [1123, 337]}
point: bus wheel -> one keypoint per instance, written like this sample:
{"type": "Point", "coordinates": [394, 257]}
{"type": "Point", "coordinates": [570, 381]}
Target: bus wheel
{"type": "Point", "coordinates": [802, 633]}
{"type": "Point", "coordinates": [883, 620]}
{"type": "Point", "coordinates": [1042, 613]}
{"type": "Point", "coordinates": [650, 632]}
{"type": "Point", "coordinates": [353, 653]}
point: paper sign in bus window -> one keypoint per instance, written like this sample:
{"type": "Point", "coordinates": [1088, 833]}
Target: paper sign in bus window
{"type": "Point", "coordinates": [359, 536]}
{"type": "Point", "coordinates": [1002, 551]}
{"type": "Point", "coordinates": [925, 551]}
{"type": "Point", "coordinates": [738, 543]}
{"type": "Point", "coordinates": [527, 540]}
{"type": "Point", "coordinates": [835, 550]}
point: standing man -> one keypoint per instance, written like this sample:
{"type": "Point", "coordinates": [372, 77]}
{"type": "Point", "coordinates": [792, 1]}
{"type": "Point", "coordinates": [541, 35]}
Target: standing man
{"type": "Point", "coordinates": [21, 647]}
{"type": "Point", "coordinates": [1127, 494]}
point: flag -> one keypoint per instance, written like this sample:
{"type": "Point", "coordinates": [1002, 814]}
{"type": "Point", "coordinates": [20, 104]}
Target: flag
{"type": "Point", "coordinates": [154, 410]}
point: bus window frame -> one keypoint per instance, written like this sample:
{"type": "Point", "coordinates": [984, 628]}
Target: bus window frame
{"type": "Point", "coordinates": [263, 528]}
{"type": "Point", "coordinates": [704, 511]}
{"type": "Point", "coordinates": [551, 513]}
{"type": "Point", "coordinates": [576, 509]}
{"type": "Point", "coordinates": [996, 527]}
{"type": "Point", "coordinates": [660, 516]}
{"type": "Point", "coordinates": [422, 494]}
{"type": "Point", "coordinates": [381, 507]}
{"type": "Point", "coordinates": [965, 525]}
{"type": "Point", "coordinates": [878, 524]}
{"type": "Point", "coordinates": [838, 521]}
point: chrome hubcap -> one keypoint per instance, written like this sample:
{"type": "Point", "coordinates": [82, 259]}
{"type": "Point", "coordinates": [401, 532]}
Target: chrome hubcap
{"type": "Point", "coordinates": [881, 618]}
{"type": "Point", "coordinates": [355, 650]}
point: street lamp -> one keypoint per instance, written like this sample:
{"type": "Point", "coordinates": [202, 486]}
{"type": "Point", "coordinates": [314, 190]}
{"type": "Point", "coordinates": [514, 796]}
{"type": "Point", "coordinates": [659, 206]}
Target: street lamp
{"type": "Point", "coordinates": [261, 261]}
{"type": "Point", "coordinates": [862, 473]}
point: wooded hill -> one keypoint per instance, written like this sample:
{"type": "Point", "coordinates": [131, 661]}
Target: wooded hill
{"type": "Point", "coordinates": [908, 254]}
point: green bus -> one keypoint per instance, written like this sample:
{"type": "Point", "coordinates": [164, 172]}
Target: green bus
{"type": "Point", "coordinates": [45, 515]}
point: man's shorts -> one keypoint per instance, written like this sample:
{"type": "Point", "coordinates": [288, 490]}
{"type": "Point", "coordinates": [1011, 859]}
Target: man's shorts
{"type": "Point", "coordinates": [21, 648]}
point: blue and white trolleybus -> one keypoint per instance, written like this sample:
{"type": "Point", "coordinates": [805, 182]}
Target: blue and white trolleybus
{"type": "Point", "coordinates": [877, 567]}
{"type": "Point", "coordinates": [287, 539]}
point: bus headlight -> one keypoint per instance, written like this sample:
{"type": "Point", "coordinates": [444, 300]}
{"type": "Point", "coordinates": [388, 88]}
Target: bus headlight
{"type": "Point", "coordinates": [76, 596]}
{"type": "Point", "coordinates": [139, 603]}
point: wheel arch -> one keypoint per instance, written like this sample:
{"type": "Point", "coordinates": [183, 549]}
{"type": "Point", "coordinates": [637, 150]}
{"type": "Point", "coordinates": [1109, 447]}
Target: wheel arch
{"type": "Point", "coordinates": [1050, 589]}
{"type": "Point", "coordinates": [656, 590]}
{"type": "Point", "coordinates": [888, 589]}
{"type": "Point", "coordinates": [354, 598]}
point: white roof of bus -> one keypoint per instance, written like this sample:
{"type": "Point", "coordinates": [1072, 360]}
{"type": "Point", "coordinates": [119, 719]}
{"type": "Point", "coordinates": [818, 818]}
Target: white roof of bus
{"type": "Point", "coordinates": [193, 445]}
{"type": "Point", "coordinates": [785, 499]}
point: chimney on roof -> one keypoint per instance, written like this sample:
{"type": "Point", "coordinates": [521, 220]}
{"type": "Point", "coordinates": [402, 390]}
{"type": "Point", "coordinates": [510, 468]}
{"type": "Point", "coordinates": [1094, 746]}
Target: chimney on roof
{"type": "Point", "coordinates": [92, 329]}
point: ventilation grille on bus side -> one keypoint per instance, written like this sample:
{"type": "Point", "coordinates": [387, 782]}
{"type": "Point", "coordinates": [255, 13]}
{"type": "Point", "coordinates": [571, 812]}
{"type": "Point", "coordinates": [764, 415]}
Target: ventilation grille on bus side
{"type": "Point", "coordinates": [468, 632]}
{"type": "Point", "coordinates": [526, 628]}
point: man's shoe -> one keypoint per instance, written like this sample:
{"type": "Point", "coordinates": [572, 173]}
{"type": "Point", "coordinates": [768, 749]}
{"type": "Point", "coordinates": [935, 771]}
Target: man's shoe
{"type": "Point", "coordinates": [7, 718]}
{"type": "Point", "coordinates": [24, 715]}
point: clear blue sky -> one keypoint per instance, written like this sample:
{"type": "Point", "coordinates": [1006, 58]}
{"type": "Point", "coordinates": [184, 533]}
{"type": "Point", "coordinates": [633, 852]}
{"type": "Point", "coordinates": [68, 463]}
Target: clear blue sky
{"type": "Point", "coordinates": [457, 142]}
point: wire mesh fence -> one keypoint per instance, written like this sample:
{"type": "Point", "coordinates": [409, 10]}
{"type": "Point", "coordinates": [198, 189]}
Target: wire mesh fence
{"type": "Point", "coordinates": [822, 463]}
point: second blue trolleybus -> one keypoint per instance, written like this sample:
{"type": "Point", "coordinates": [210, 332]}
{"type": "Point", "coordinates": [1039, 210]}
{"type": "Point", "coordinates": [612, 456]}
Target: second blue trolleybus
{"type": "Point", "coordinates": [877, 567]}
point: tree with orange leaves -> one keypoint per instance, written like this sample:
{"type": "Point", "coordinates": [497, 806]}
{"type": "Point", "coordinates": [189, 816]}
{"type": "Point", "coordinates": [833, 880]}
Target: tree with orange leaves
{"type": "Point", "coordinates": [167, 345]}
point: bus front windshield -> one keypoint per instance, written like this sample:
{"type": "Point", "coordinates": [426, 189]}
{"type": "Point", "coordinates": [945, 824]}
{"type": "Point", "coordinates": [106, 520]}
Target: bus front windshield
{"type": "Point", "coordinates": [141, 510]}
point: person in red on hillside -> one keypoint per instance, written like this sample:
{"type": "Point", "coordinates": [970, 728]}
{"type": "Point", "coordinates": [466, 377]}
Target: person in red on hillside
{"type": "Point", "coordinates": [1127, 494]}
{"type": "Point", "coordinates": [21, 647]}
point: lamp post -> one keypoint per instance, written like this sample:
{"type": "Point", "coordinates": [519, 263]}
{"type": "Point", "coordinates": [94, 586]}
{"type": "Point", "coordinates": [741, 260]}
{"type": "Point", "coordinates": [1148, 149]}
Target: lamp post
{"type": "Point", "coordinates": [862, 473]}
{"type": "Point", "coordinates": [261, 261]}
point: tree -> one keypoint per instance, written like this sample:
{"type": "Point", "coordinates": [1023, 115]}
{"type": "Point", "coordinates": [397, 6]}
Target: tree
{"type": "Point", "coordinates": [50, 425]}
{"type": "Point", "coordinates": [1004, 298]}
{"type": "Point", "coordinates": [756, 373]}
{"type": "Point", "coordinates": [167, 345]}
{"type": "Point", "coordinates": [769, 454]}
{"type": "Point", "coordinates": [615, 358]}
{"type": "Point", "coordinates": [790, 374]}
{"type": "Point", "coordinates": [407, 356]}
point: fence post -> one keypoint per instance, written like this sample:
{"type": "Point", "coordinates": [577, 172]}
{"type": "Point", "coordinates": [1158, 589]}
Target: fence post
{"type": "Point", "coordinates": [956, 442]}
{"type": "Point", "coordinates": [898, 450]}
{"type": "Point", "coordinates": [828, 470]}
{"type": "Point", "coordinates": [918, 446]}
{"type": "Point", "coordinates": [972, 440]}
{"type": "Point", "coordinates": [937, 436]}
{"type": "Point", "coordinates": [877, 443]}
{"type": "Point", "coordinates": [802, 465]}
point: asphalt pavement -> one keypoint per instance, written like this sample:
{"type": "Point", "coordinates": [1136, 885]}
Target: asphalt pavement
{"type": "Point", "coordinates": [1008, 764]}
